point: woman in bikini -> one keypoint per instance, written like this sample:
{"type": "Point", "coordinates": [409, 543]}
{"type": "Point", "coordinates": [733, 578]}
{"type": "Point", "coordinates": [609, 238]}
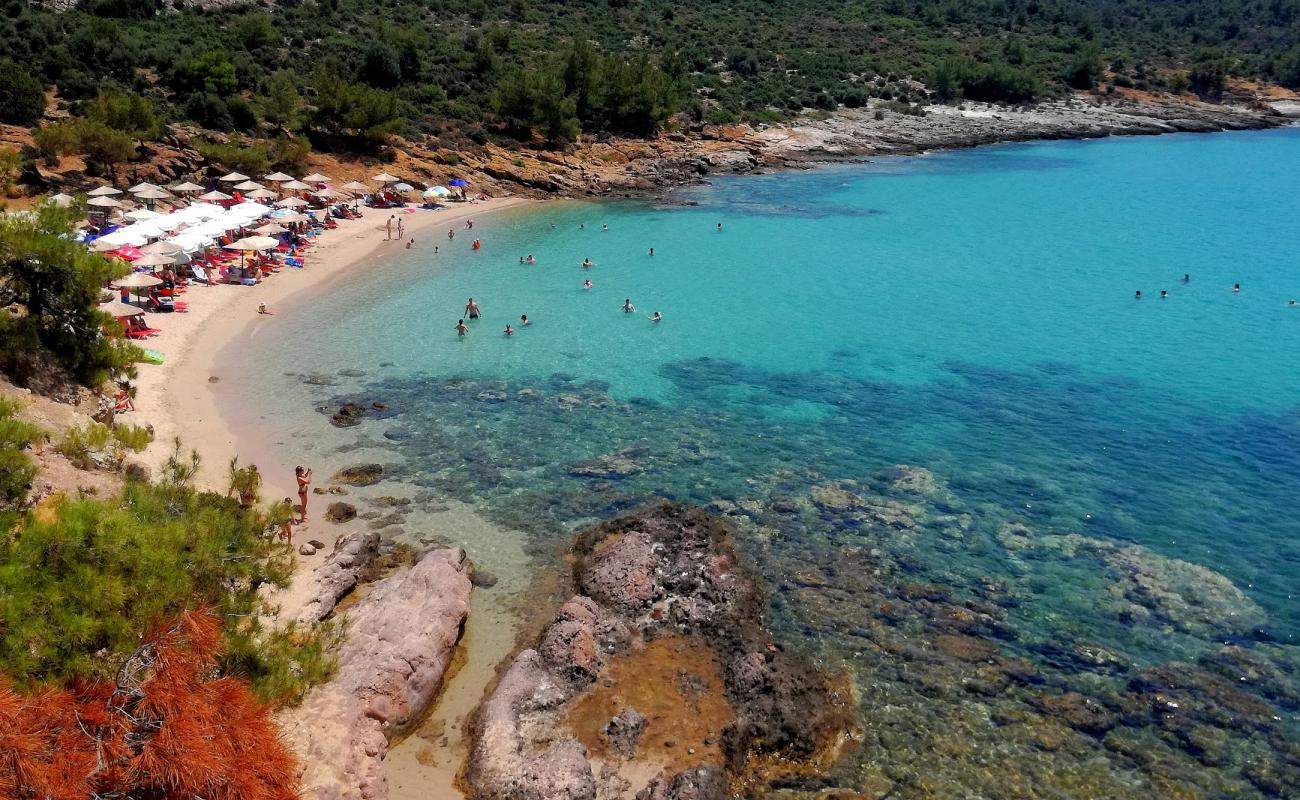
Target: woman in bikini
{"type": "Point", "coordinates": [304, 483]}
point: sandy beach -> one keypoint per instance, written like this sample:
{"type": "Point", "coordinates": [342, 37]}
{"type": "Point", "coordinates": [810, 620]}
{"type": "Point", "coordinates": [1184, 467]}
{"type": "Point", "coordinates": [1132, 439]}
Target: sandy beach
{"type": "Point", "coordinates": [179, 399]}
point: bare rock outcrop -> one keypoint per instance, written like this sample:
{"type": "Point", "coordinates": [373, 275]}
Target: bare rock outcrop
{"type": "Point", "coordinates": [656, 680]}
{"type": "Point", "coordinates": [399, 643]}
{"type": "Point", "coordinates": [353, 558]}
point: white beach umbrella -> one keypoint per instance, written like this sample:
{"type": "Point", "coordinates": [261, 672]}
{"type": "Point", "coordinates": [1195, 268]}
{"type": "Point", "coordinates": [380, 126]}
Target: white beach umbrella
{"type": "Point", "coordinates": [205, 211]}
{"type": "Point", "coordinates": [296, 186]}
{"type": "Point", "coordinates": [254, 243]}
{"type": "Point", "coordinates": [104, 202]}
{"type": "Point", "coordinates": [103, 191]}
{"type": "Point", "coordinates": [61, 200]}
{"type": "Point", "coordinates": [250, 207]}
{"type": "Point", "coordinates": [122, 236]}
{"type": "Point", "coordinates": [270, 229]}
{"type": "Point", "coordinates": [441, 191]}
{"type": "Point", "coordinates": [289, 217]}
{"type": "Point", "coordinates": [316, 177]}
{"type": "Point", "coordinates": [233, 177]}
{"type": "Point", "coordinates": [292, 202]}
{"type": "Point", "coordinates": [384, 177]}
{"type": "Point", "coordinates": [187, 186]}
{"type": "Point", "coordinates": [215, 195]}
{"type": "Point", "coordinates": [262, 194]}
{"type": "Point", "coordinates": [329, 194]}
{"type": "Point", "coordinates": [190, 241]}
{"type": "Point", "coordinates": [141, 214]}
{"type": "Point", "coordinates": [247, 186]}
{"type": "Point", "coordinates": [277, 177]}
{"type": "Point", "coordinates": [101, 246]}
{"type": "Point", "coordinates": [142, 186]}
{"type": "Point", "coordinates": [136, 280]}
{"type": "Point", "coordinates": [355, 187]}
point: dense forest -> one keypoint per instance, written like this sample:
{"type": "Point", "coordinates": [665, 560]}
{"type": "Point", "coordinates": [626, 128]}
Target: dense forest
{"type": "Point", "coordinates": [354, 71]}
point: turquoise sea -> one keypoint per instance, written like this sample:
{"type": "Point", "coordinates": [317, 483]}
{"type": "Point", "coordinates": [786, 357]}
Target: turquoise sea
{"type": "Point", "coordinates": [1084, 585]}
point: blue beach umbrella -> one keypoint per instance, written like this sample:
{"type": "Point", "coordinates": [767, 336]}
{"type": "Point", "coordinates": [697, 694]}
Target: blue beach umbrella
{"type": "Point", "coordinates": [459, 183]}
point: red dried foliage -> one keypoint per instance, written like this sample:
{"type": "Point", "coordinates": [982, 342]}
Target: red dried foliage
{"type": "Point", "coordinates": [168, 727]}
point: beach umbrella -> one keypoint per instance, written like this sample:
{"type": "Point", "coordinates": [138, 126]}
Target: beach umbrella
{"type": "Point", "coordinates": [440, 191]}
{"type": "Point", "coordinates": [187, 186]}
{"type": "Point", "coordinates": [155, 259]}
{"type": "Point", "coordinates": [328, 193]}
{"type": "Point", "coordinates": [103, 191]}
{"type": "Point", "coordinates": [355, 186]}
{"type": "Point", "coordinates": [142, 186]}
{"type": "Point", "coordinates": [119, 309]}
{"type": "Point", "coordinates": [104, 202]}
{"type": "Point", "coordinates": [295, 186]}
{"type": "Point", "coordinates": [289, 217]}
{"type": "Point", "coordinates": [233, 177]}
{"type": "Point", "coordinates": [277, 177]}
{"type": "Point", "coordinates": [270, 229]}
{"type": "Point", "coordinates": [254, 243]}
{"type": "Point", "coordinates": [61, 200]}
{"type": "Point", "coordinates": [403, 187]}
{"type": "Point", "coordinates": [160, 247]}
{"type": "Point", "coordinates": [101, 246]}
{"type": "Point", "coordinates": [141, 214]}
{"type": "Point", "coordinates": [204, 211]}
{"type": "Point", "coordinates": [128, 235]}
{"type": "Point", "coordinates": [262, 194]}
{"type": "Point", "coordinates": [127, 253]}
{"type": "Point", "coordinates": [215, 196]}
{"type": "Point", "coordinates": [153, 194]}
{"type": "Point", "coordinates": [384, 177]}
{"type": "Point", "coordinates": [292, 202]}
{"type": "Point", "coordinates": [316, 177]}
{"type": "Point", "coordinates": [247, 186]}
{"type": "Point", "coordinates": [136, 280]}
{"type": "Point", "coordinates": [459, 183]}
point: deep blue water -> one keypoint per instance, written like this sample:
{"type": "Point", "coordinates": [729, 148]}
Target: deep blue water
{"type": "Point", "coordinates": [969, 313]}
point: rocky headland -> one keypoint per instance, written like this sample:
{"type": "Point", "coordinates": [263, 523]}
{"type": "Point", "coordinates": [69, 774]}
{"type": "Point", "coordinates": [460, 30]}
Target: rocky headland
{"type": "Point", "coordinates": [398, 644]}
{"type": "Point", "coordinates": [656, 680]}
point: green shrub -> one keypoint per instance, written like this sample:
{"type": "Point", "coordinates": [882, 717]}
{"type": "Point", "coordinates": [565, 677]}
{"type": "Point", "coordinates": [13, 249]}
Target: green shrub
{"type": "Point", "coordinates": [97, 141]}
{"type": "Point", "coordinates": [22, 98]}
{"type": "Point", "coordinates": [126, 112]}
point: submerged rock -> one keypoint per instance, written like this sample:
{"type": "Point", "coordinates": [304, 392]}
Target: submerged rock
{"type": "Point", "coordinates": [662, 607]}
{"type": "Point", "coordinates": [340, 512]}
{"type": "Point", "coordinates": [399, 643]}
{"type": "Point", "coordinates": [359, 475]}
{"type": "Point", "coordinates": [622, 464]}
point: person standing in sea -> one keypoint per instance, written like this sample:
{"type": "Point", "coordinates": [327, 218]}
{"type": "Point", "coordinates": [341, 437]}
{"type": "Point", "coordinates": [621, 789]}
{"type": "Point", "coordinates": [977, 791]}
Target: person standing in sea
{"type": "Point", "coordinates": [303, 476]}
{"type": "Point", "coordinates": [461, 327]}
{"type": "Point", "coordinates": [471, 309]}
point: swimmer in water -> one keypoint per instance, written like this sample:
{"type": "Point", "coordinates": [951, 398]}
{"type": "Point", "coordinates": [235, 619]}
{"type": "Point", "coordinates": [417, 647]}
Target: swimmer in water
{"type": "Point", "coordinates": [582, 226]}
{"type": "Point", "coordinates": [652, 251]}
{"type": "Point", "coordinates": [509, 330]}
{"type": "Point", "coordinates": [1291, 303]}
{"type": "Point", "coordinates": [1236, 288]}
{"type": "Point", "coordinates": [586, 263]}
{"type": "Point", "coordinates": [521, 259]}
{"type": "Point", "coordinates": [531, 260]}
{"type": "Point", "coordinates": [1187, 278]}
{"type": "Point", "coordinates": [719, 227]}
{"type": "Point", "coordinates": [1137, 295]}
{"type": "Point", "coordinates": [523, 320]}
{"type": "Point", "coordinates": [461, 328]}
{"type": "Point", "coordinates": [409, 243]}
{"type": "Point", "coordinates": [471, 309]}
{"type": "Point", "coordinates": [655, 317]}
{"type": "Point", "coordinates": [628, 308]}
{"type": "Point", "coordinates": [435, 249]}
{"type": "Point", "coordinates": [604, 227]}
{"type": "Point", "coordinates": [586, 284]}
{"type": "Point", "coordinates": [451, 234]}
{"type": "Point", "coordinates": [1163, 294]}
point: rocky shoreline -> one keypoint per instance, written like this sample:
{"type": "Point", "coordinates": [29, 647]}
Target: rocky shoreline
{"type": "Point", "coordinates": [656, 680]}
{"type": "Point", "coordinates": [600, 166]}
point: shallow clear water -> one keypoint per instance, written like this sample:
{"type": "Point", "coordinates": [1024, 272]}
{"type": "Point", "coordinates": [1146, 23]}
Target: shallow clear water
{"type": "Point", "coordinates": [968, 313]}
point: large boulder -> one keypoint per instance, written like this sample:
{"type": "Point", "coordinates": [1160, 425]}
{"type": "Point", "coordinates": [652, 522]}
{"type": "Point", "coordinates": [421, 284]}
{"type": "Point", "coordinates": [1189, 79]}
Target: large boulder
{"type": "Point", "coordinates": [399, 643]}
{"type": "Point", "coordinates": [661, 600]}
{"type": "Point", "coordinates": [353, 558]}
{"type": "Point", "coordinates": [359, 475]}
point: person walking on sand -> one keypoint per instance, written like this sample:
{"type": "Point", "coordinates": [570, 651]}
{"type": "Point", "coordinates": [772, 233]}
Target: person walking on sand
{"type": "Point", "coordinates": [461, 327]}
{"type": "Point", "coordinates": [401, 230]}
{"type": "Point", "coordinates": [471, 309]}
{"type": "Point", "coordinates": [303, 476]}
{"type": "Point", "coordinates": [388, 227]}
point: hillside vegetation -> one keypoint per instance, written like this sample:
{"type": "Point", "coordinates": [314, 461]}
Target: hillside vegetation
{"type": "Point", "coordinates": [344, 74]}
